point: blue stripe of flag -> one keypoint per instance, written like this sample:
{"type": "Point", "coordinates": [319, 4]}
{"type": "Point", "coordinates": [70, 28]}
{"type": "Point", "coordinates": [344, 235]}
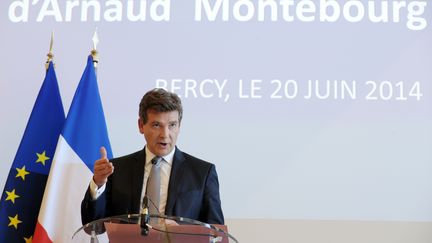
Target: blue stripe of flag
{"type": "Point", "coordinates": [85, 129]}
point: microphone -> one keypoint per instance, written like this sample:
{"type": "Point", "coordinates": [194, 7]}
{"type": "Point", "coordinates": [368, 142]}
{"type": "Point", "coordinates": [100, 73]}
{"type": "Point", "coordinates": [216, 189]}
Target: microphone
{"type": "Point", "coordinates": [145, 218]}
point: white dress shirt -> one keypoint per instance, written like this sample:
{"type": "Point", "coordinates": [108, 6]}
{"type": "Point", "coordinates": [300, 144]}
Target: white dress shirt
{"type": "Point", "coordinates": [166, 165]}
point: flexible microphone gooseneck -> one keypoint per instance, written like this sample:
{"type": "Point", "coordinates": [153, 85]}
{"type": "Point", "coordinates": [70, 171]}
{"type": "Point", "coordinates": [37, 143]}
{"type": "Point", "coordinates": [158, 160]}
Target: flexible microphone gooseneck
{"type": "Point", "coordinates": [145, 218]}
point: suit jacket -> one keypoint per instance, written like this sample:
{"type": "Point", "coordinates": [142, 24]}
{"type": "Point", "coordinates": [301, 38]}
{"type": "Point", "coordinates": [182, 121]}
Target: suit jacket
{"type": "Point", "coordinates": [193, 190]}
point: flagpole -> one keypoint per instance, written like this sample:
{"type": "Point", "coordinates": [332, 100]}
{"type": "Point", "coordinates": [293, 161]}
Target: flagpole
{"type": "Point", "coordinates": [94, 52]}
{"type": "Point", "coordinates": [50, 55]}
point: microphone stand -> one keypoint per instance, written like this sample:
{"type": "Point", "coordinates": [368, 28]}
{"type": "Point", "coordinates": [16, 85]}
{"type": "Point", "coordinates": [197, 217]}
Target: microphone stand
{"type": "Point", "coordinates": [145, 218]}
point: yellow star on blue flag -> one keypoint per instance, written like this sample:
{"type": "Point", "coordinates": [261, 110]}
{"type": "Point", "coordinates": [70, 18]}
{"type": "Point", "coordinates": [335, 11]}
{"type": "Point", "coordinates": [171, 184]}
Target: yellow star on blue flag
{"type": "Point", "coordinates": [42, 158]}
{"type": "Point", "coordinates": [14, 221]}
{"type": "Point", "coordinates": [28, 240]}
{"type": "Point", "coordinates": [22, 172]}
{"type": "Point", "coordinates": [11, 196]}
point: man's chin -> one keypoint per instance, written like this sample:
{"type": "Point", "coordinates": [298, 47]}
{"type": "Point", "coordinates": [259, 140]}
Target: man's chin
{"type": "Point", "coordinates": [162, 151]}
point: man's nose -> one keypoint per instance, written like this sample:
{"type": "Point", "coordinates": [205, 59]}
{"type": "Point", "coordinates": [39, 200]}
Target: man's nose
{"type": "Point", "coordinates": [164, 132]}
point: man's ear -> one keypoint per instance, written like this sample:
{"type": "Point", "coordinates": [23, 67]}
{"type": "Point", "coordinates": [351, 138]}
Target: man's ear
{"type": "Point", "coordinates": [141, 125]}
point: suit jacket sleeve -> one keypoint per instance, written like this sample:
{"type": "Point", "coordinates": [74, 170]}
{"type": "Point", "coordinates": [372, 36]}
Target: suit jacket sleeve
{"type": "Point", "coordinates": [93, 209]}
{"type": "Point", "coordinates": [122, 192]}
{"type": "Point", "coordinates": [211, 210]}
{"type": "Point", "coordinates": [96, 209]}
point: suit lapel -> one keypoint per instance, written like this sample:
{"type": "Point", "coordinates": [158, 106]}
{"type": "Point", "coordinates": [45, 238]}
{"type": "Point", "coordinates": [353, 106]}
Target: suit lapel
{"type": "Point", "coordinates": [137, 179]}
{"type": "Point", "coordinates": [174, 182]}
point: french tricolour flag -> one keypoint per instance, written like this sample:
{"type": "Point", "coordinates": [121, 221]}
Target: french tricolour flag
{"type": "Point", "coordinates": [83, 134]}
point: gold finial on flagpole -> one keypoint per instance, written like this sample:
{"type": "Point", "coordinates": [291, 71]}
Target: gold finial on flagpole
{"type": "Point", "coordinates": [94, 52]}
{"type": "Point", "coordinates": [50, 54]}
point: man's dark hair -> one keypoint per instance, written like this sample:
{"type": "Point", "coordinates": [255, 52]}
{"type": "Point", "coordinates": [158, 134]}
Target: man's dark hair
{"type": "Point", "coordinates": [159, 100]}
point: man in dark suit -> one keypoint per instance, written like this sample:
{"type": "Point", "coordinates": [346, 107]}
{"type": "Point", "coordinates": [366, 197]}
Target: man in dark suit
{"type": "Point", "coordinates": [189, 186]}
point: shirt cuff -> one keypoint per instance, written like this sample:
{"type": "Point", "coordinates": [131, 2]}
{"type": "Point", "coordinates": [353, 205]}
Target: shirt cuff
{"type": "Point", "coordinates": [95, 192]}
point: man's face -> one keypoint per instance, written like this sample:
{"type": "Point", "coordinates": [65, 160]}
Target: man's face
{"type": "Point", "coordinates": [160, 131]}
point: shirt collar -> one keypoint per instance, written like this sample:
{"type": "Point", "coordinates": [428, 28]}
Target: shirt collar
{"type": "Point", "coordinates": [168, 158]}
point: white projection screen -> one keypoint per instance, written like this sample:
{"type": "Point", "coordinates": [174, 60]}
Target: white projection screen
{"type": "Point", "coordinates": [317, 114]}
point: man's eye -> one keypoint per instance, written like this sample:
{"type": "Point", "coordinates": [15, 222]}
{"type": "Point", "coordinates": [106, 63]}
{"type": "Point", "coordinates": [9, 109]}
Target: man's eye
{"type": "Point", "coordinates": [173, 125]}
{"type": "Point", "coordinates": [155, 125]}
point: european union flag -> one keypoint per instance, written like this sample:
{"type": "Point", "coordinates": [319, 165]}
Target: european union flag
{"type": "Point", "coordinates": [25, 185]}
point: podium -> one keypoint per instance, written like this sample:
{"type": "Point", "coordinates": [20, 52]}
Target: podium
{"type": "Point", "coordinates": [161, 228]}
